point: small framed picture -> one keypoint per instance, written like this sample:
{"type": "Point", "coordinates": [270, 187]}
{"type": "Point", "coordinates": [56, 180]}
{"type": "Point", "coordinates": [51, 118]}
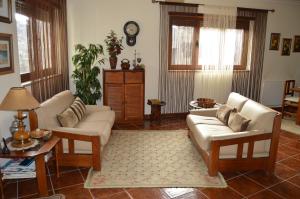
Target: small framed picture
{"type": "Point", "coordinates": [297, 43]}
{"type": "Point", "coordinates": [286, 47]}
{"type": "Point", "coordinates": [275, 41]}
{"type": "Point", "coordinates": [5, 11]}
{"type": "Point", "coordinates": [6, 54]}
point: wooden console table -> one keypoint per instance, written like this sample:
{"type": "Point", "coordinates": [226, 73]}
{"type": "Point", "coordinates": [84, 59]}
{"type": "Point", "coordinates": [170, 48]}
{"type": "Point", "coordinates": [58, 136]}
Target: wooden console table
{"type": "Point", "coordinates": [38, 153]}
{"type": "Point", "coordinates": [297, 89]}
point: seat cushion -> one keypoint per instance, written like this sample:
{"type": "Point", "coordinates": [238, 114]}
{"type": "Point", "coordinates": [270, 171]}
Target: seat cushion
{"type": "Point", "coordinates": [237, 101]}
{"type": "Point", "coordinates": [294, 99]}
{"type": "Point", "coordinates": [102, 127]}
{"type": "Point", "coordinates": [197, 119]}
{"type": "Point", "coordinates": [94, 116]}
{"type": "Point", "coordinates": [203, 132]}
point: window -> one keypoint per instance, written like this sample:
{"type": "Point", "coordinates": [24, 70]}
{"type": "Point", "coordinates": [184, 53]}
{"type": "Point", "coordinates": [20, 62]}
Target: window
{"type": "Point", "coordinates": [187, 35]}
{"type": "Point", "coordinates": [22, 35]}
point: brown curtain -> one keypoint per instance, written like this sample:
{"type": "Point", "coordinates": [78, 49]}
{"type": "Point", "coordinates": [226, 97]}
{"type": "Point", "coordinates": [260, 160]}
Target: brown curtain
{"type": "Point", "coordinates": [248, 83]}
{"type": "Point", "coordinates": [47, 38]}
{"type": "Point", "coordinates": [176, 88]}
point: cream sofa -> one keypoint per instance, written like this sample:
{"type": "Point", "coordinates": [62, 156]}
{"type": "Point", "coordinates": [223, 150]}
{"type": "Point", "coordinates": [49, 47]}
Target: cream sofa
{"type": "Point", "coordinates": [225, 150]}
{"type": "Point", "coordinates": [89, 136]}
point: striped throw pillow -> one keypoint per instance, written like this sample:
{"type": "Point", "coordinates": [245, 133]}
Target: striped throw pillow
{"type": "Point", "coordinates": [72, 115]}
{"type": "Point", "coordinates": [78, 108]}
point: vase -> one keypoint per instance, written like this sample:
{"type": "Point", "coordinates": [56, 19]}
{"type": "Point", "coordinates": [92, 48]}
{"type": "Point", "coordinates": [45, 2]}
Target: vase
{"type": "Point", "coordinates": [113, 62]}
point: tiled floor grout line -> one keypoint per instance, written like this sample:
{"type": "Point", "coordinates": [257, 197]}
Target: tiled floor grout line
{"type": "Point", "coordinates": [264, 187]}
{"type": "Point", "coordinates": [292, 156]}
{"type": "Point", "coordinates": [17, 192]}
{"type": "Point", "coordinates": [53, 191]}
{"type": "Point", "coordinates": [129, 195]}
{"type": "Point", "coordinates": [236, 191]}
{"type": "Point", "coordinates": [84, 182]}
{"type": "Point", "coordinates": [68, 186]}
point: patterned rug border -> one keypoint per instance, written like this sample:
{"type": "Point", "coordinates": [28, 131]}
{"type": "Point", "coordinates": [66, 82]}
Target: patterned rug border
{"type": "Point", "coordinates": [90, 173]}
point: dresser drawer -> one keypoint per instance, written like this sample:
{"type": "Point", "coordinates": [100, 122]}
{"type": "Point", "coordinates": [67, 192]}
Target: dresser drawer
{"type": "Point", "coordinates": [114, 77]}
{"type": "Point", "coordinates": [134, 77]}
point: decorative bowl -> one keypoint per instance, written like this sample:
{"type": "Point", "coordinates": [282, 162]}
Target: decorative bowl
{"type": "Point", "coordinates": [206, 102]}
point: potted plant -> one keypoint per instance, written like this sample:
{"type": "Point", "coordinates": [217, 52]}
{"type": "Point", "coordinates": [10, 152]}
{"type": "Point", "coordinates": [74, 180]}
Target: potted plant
{"type": "Point", "coordinates": [86, 72]}
{"type": "Point", "coordinates": [114, 47]}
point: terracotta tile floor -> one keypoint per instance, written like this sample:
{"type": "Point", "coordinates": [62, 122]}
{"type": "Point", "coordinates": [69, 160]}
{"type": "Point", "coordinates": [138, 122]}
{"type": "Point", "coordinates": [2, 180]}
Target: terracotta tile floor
{"type": "Point", "coordinates": [285, 183]}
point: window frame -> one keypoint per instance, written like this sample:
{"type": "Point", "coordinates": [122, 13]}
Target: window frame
{"type": "Point", "coordinates": [196, 20]}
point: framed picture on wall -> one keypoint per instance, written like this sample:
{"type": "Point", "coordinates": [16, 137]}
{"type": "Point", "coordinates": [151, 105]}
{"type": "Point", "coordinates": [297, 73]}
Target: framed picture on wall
{"type": "Point", "coordinates": [6, 54]}
{"type": "Point", "coordinates": [286, 47]}
{"type": "Point", "coordinates": [297, 43]}
{"type": "Point", "coordinates": [5, 11]}
{"type": "Point", "coordinates": [274, 41]}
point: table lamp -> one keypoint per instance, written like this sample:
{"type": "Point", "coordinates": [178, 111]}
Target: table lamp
{"type": "Point", "coordinates": [19, 99]}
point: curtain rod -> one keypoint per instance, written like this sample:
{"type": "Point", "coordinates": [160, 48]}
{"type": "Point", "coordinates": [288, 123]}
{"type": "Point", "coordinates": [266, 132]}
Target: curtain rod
{"type": "Point", "coordinates": [197, 4]}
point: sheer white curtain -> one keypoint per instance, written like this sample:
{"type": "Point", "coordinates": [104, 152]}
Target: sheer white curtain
{"type": "Point", "coordinates": [182, 45]}
{"type": "Point", "coordinates": [219, 51]}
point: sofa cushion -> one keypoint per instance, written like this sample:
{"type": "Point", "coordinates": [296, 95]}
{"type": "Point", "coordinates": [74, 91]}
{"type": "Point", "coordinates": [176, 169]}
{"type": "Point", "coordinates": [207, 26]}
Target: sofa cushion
{"type": "Point", "coordinates": [78, 108]}
{"type": "Point", "coordinates": [261, 117]}
{"type": "Point", "coordinates": [237, 101]}
{"type": "Point", "coordinates": [47, 113]}
{"type": "Point", "coordinates": [223, 113]}
{"type": "Point", "coordinates": [197, 119]}
{"type": "Point", "coordinates": [203, 133]}
{"type": "Point", "coordinates": [98, 115]}
{"type": "Point", "coordinates": [67, 118]}
{"type": "Point", "coordinates": [237, 122]}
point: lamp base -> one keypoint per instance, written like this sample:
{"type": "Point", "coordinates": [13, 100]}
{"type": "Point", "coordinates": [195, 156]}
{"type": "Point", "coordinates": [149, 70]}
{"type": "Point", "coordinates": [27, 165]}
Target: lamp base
{"type": "Point", "coordinates": [20, 144]}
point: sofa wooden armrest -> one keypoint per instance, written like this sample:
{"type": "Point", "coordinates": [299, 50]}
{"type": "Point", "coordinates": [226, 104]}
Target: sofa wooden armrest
{"type": "Point", "coordinates": [71, 158]}
{"type": "Point", "coordinates": [215, 164]}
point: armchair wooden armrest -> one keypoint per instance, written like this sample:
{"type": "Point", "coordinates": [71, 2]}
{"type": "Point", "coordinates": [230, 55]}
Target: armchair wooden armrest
{"type": "Point", "coordinates": [84, 160]}
{"type": "Point", "coordinates": [73, 134]}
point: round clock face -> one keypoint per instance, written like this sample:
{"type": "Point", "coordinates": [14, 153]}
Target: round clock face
{"type": "Point", "coordinates": [131, 28]}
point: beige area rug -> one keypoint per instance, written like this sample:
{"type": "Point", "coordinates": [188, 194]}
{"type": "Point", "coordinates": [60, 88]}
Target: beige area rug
{"type": "Point", "coordinates": [151, 159]}
{"type": "Point", "coordinates": [290, 126]}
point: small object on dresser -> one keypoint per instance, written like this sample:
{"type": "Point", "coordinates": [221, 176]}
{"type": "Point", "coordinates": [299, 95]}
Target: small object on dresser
{"type": "Point", "coordinates": [125, 64]}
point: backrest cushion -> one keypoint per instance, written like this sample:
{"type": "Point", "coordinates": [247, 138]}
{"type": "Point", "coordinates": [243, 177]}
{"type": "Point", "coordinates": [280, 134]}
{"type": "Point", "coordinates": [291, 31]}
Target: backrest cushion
{"type": "Point", "coordinates": [47, 113]}
{"type": "Point", "coordinates": [262, 117]}
{"type": "Point", "coordinates": [237, 101]}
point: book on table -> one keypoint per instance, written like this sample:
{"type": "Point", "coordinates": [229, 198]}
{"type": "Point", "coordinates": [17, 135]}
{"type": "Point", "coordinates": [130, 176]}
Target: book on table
{"type": "Point", "coordinates": [19, 168]}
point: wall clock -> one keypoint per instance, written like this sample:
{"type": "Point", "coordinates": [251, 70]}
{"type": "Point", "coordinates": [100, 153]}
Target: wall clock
{"type": "Point", "coordinates": [131, 30]}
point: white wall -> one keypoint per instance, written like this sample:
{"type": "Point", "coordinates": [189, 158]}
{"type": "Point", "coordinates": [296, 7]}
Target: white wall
{"type": "Point", "coordinates": [9, 80]}
{"type": "Point", "coordinates": [89, 22]}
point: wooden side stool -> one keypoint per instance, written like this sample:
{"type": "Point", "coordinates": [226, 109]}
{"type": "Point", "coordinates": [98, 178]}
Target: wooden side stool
{"type": "Point", "coordinates": [155, 109]}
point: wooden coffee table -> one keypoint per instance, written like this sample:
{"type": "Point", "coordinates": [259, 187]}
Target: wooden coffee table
{"type": "Point", "coordinates": [38, 153]}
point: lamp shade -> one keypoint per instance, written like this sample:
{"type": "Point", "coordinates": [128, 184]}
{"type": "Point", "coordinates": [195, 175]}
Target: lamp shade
{"type": "Point", "coordinates": [19, 99]}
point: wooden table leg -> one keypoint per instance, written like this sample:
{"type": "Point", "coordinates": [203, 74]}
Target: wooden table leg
{"type": "Point", "coordinates": [298, 114]}
{"type": "Point", "coordinates": [41, 175]}
{"type": "Point", "coordinates": [57, 154]}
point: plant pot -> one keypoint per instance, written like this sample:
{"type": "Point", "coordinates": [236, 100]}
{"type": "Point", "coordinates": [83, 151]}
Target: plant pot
{"type": "Point", "coordinates": [113, 62]}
